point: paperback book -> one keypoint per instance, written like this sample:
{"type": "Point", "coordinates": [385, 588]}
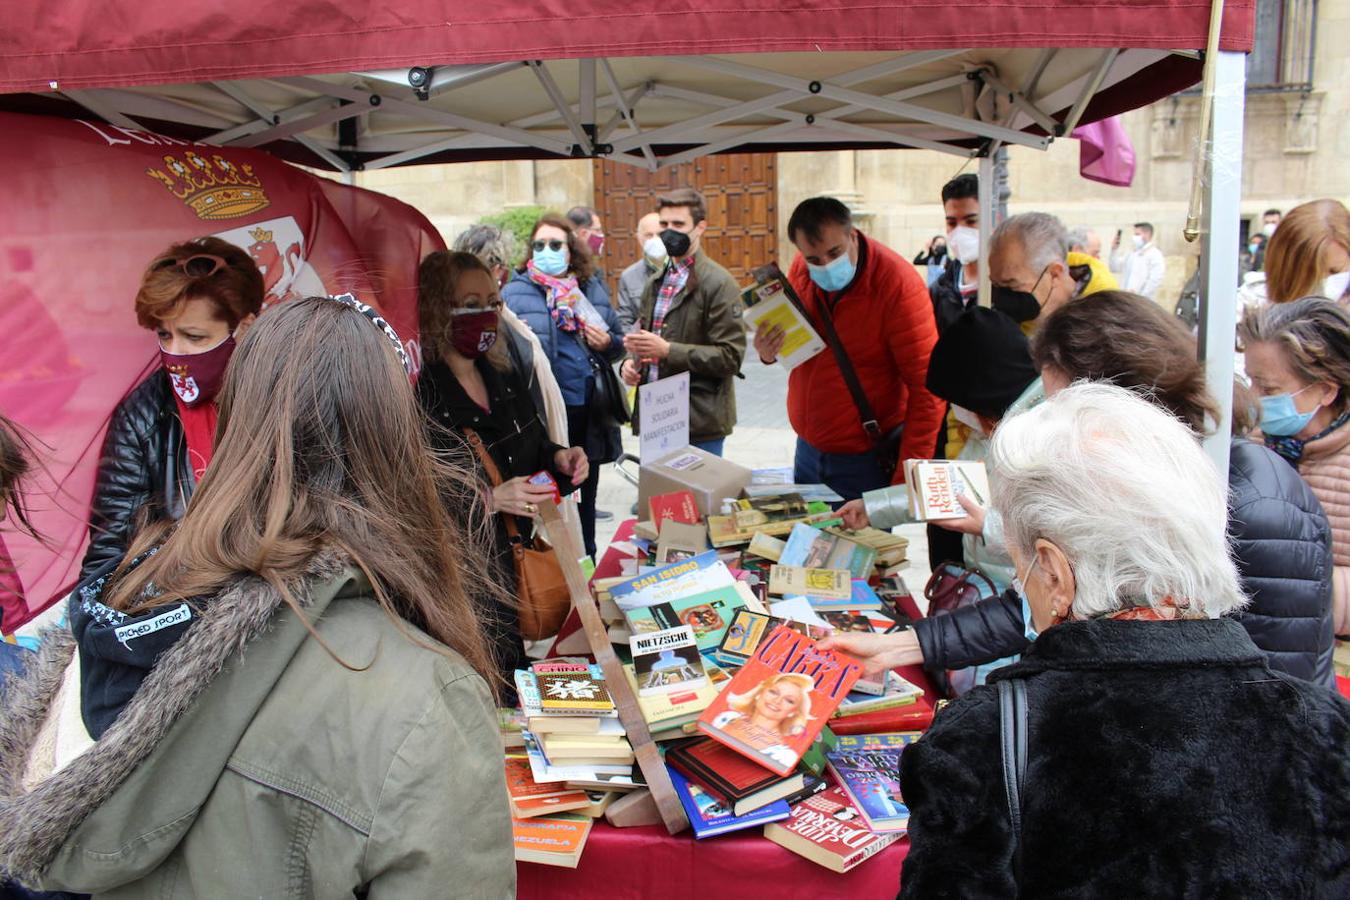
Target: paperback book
{"type": "Point", "coordinates": [574, 693]}
{"type": "Point", "coordinates": [667, 661]}
{"type": "Point", "coordinates": [663, 712]}
{"type": "Point", "coordinates": [770, 302]}
{"type": "Point", "coordinates": [707, 614]}
{"type": "Point", "coordinates": [935, 485]}
{"type": "Point", "coordinates": [530, 798]}
{"type": "Point", "coordinates": [553, 840]}
{"type": "Point", "coordinates": [677, 506]}
{"type": "Point", "coordinates": [679, 542]}
{"type": "Point", "coordinates": [704, 572]}
{"type": "Point", "coordinates": [867, 767]}
{"type": "Point", "coordinates": [773, 708]}
{"type": "Point", "coordinates": [813, 548]}
{"type": "Point", "coordinates": [826, 584]}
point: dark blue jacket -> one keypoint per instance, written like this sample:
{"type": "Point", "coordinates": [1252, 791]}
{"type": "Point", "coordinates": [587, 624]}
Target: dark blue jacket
{"type": "Point", "coordinates": [567, 353]}
{"type": "Point", "coordinates": [1282, 543]}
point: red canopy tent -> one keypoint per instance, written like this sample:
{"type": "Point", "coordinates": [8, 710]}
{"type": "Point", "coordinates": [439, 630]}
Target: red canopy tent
{"type": "Point", "coordinates": [651, 83]}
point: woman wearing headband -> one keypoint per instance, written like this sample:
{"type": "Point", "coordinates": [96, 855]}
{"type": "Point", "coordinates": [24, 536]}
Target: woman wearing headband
{"type": "Point", "coordinates": [287, 693]}
{"type": "Point", "coordinates": [198, 298]}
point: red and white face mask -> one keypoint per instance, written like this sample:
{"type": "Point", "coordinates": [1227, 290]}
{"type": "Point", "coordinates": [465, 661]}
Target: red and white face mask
{"type": "Point", "coordinates": [198, 377]}
{"type": "Point", "coordinates": [474, 331]}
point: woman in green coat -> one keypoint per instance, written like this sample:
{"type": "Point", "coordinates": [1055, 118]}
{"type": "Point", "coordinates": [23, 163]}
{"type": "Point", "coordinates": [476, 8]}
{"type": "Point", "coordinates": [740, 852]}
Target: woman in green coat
{"type": "Point", "coordinates": [285, 695]}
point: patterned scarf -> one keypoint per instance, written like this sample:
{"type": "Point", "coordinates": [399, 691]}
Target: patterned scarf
{"type": "Point", "coordinates": [562, 296]}
{"type": "Point", "coordinates": [1291, 448]}
{"type": "Point", "coordinates": [1137, 609]}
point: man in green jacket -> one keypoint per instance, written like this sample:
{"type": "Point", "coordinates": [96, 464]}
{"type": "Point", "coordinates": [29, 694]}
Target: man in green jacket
{"type": "Point", "coordinates": [690, 321]}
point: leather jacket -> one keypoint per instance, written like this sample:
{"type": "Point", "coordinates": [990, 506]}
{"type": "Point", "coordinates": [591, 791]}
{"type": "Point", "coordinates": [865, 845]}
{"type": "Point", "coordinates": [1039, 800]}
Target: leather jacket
{"type": "Point", "coordinates": [143, 472]}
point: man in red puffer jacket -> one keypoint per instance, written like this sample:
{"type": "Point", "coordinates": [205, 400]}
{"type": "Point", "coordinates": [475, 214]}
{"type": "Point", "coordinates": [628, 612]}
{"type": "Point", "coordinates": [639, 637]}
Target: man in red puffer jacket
{"type": "Point", "coordinates": [880, 308]}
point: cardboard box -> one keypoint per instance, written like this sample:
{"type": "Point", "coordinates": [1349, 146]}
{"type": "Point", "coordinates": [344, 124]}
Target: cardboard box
{"type": "Point", "coordinates": [711, 479]}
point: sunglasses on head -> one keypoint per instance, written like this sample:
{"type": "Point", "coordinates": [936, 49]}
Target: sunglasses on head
{"type": "Point", "coordinates": [554, 245]}
{"type": "Point", "coordinates": [199, 265]}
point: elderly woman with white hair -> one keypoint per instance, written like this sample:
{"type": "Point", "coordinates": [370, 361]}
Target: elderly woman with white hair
{"type": "Point", "coordinates": [1142, 746]}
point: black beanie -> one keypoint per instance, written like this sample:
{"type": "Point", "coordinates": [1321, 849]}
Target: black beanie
{"type": "Point", "coordinates": [982, 362]}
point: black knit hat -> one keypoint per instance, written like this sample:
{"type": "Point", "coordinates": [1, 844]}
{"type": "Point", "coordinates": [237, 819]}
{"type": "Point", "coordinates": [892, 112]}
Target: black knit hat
{"type": "Point", "coordinates": [981, 362]}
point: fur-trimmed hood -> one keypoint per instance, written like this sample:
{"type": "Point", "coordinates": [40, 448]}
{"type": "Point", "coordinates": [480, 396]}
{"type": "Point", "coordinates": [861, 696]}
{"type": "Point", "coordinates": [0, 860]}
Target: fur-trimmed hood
{"type": "Point", "coordinates": [178, 730]}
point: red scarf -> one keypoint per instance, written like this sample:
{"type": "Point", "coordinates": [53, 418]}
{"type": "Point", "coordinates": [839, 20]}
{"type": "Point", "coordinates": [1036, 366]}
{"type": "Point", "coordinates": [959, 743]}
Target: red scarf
{"type": "Point", "coordinates": [1166, 610]}
{"type": "Point", "coordinates": [199, 428]}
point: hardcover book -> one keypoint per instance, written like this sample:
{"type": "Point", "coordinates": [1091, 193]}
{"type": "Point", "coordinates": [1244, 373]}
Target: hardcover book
{"type": "Point", "coordinates": [667, 661]}
{"type": "Point", "coordinates": [831, 584]}
{"type": "Point", "coordinates": [554, 840]}
{"type": "Point", "coordinates": [830, 831]}
{"type": "Point", "coordinates": [916, 716]}
{"type": "Point", "coordinates": [773, 708]}
{"type": "Point", "coordinates": [708, 614]}
{"type": "Point", "coordinates": [740, 784]}
{"type": "Point", "coordinates": [610, 776]}
{"type": "Point", "coordinates": [867, 767]}
{"type": "Point", "coordinates": [679, 542]}
{"type": "Point", "coordinates": [666, 711]}
{"type": "Point", "coordinates": [893, 691]}
{"type": "Point", "coordinates": [709, 816]}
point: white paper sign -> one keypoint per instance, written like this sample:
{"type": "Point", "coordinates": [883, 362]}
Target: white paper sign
{"type": "Point", "coordinates": [663, 413]}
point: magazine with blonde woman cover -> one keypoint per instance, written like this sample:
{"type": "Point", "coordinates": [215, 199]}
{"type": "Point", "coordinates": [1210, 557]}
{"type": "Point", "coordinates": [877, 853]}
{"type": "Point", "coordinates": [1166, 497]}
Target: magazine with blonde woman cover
{"type": "Point", "coordinates": [773, 708]}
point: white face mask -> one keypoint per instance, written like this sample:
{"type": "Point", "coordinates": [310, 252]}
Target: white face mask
{"type": "Point", "coordinates": [963, 243]}
{"type": "Point", "coordinates": [1268, 229]}
{"type": "Point", "coordinates": [1334, 287]}
{"type": "Point", "coordinates": [654, 250]}
{"type": "Point", "coordinates": [1139, 242]}
{"type": "Point", "coordinates": [969, 419]}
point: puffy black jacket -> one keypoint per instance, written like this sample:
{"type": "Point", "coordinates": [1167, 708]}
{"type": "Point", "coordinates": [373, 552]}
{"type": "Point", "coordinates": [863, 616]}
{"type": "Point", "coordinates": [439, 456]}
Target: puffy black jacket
{"type": "Point", "coordinates": [946, 295]}
{"type": "Point", "coordinates": [1282, 543]}
{"type": "Point", "coordinates": [144, 467]}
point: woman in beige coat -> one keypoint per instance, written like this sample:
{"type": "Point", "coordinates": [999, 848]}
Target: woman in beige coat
{"type": "Point", "coordinates": [284, 696]}
{"type": "Point", "coordinates": [1298, 358]}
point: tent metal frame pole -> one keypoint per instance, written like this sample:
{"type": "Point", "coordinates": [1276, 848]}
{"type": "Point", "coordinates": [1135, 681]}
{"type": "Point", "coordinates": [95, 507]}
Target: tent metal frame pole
{"type": "Point", "coordinates": [1218, 257]}
{"type": "Point", "coordinates": [555, 95]}
{"type": "Point", "coordinates": [626, 112]}
{"type": "Point", "coordinates": [249, 102]}
{"type": "Point", "coordinates": [282, 115]}
{"type": "Point", "coordinates": [91, 101]}
{"type": "Point", "coordinates": [338, 112]}
{"type": "Point", "coordinates": [867, 101]}
{"type": "Point", "coordinates": [1089, 91]}
{"type": "Point", "coordinates": [986, 195]}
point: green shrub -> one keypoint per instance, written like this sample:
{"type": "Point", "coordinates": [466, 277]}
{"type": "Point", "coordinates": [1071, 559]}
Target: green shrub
{"type": "Point", "coordinates": [517, 221]}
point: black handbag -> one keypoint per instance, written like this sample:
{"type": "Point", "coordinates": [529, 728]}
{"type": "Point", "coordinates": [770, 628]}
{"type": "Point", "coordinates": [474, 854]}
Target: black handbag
{"type": "Point", "coordinates": [1012, 719]}
{"type": "Point", "coordinates": [609, 400]}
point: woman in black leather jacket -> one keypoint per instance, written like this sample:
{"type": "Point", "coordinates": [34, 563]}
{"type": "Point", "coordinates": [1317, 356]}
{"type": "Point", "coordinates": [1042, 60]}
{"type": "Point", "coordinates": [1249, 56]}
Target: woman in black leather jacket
{"type": "Point", "coordinates": [1280, 536]}
{"type": "Point", "coordinates": [198, 298]}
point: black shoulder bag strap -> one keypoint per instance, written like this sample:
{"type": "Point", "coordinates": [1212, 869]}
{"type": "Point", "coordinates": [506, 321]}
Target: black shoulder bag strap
{"type": "Point", "coordinates": [855, 388]}
{"type": "Point", "coordinates": [1012, 715]}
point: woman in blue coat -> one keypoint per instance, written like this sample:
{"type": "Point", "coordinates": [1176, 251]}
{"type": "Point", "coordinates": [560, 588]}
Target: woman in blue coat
{"type": "Point", "coordinates": [557, 292]}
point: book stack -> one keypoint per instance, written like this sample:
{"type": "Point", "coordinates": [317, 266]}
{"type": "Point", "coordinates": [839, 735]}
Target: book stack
{"type": "Point", "coordinates": [716, 620]}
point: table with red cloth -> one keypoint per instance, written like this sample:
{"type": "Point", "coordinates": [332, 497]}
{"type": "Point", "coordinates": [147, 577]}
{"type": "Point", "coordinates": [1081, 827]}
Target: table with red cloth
{"type": "Point", "coordinates": [646, 863]}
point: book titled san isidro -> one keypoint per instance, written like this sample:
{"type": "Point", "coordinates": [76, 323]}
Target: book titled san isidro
{"type": "Point", "coordinates": [773, 708]}
{"type": "Point", "coordinates": [666, 661]}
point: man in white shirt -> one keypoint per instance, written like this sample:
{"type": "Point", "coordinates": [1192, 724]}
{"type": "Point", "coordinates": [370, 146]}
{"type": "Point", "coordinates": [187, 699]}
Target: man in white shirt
{"type": "Point", "coordinates": [1141, 271]}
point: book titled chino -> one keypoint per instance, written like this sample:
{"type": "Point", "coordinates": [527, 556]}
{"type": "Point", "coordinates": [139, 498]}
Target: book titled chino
{"type": "Point", "coordinates": [773, 708]}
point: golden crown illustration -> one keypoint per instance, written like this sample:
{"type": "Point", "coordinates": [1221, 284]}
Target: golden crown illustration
{"type": "Point", "coordinates": [215, 189]}
{"type": "Point", "coordinates": [260, 234]}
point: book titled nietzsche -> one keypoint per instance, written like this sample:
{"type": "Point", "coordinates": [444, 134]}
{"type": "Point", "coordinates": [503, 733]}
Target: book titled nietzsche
{"type": "Point", "coordinates": [667, 661]}
{"type": "Point", "coordinates": [774, 707]}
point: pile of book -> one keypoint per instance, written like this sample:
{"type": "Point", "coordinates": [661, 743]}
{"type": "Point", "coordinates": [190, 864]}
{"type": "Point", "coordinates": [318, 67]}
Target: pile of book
{"type": "Point", "coordinates": [713, 633]}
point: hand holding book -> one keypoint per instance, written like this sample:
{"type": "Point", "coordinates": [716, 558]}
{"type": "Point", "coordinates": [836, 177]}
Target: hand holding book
{"type": "Point", "coordinates": [971, 523]}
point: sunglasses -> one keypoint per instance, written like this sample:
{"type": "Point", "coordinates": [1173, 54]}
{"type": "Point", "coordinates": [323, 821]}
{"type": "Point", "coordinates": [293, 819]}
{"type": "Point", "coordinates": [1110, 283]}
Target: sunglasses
{"type": "Point", "coordinates": [200, 265]}
{"type": "Point", "coordinates": [554, 245]}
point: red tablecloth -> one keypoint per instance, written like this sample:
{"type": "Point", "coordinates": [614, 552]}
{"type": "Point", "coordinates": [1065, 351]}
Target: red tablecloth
{"type": "Point", "coordinates": [648, 864]}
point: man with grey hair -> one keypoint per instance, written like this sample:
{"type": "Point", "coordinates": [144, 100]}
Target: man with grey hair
{"type": "Point", "coordinates": [1029, 267]}
{"type": "Point", "coordinates": [1138, 695]}
{"type": "Point", "coordinates": [1085, 241]}
{"type": "Point", "coordinates": [633, 280]}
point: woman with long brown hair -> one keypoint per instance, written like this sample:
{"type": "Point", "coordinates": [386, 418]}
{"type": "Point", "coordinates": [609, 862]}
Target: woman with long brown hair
{"type": "Point", "coordinates": [1308, 255]}
{"type": "Point", "coordinates": [285, 693]}
{"type": "Point", "coordinates": [16, 460]}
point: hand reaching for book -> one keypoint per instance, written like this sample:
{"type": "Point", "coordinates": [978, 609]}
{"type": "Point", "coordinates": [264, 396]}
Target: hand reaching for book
{"type": "Point", "coordinates": [971, 523]}
{"type": "Point", "coordinates": [877, 652]}
{"type": "Point", "coordinates": [854, 514]}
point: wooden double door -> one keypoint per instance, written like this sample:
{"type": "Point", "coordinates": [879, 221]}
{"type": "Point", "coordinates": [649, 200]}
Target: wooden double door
{"type": "Point", "coordinates": [742, 194]}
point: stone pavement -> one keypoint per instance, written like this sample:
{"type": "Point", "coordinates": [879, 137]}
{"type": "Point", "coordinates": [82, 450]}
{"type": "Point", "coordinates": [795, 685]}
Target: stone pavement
{"type": "Point", "coordinates": [762, 439]}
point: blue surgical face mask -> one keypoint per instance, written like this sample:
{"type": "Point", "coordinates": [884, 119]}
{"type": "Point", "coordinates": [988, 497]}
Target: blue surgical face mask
{"type": "Point", "coordinates": [1279, 416]}
{"type": "Point", "coordinates": [1019, 585]}
{"type": "Point", "coordinates": [834, 276]}
{"type": "Point", "coordinates": [551, 262]}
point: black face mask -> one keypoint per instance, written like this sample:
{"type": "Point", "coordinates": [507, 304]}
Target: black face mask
{"type": "Point", "coordinates": [1020, 306]}
{"type": "Point", "coordinates": [677, 242]}
{"type": "Point", "coordinates": [939, 251]}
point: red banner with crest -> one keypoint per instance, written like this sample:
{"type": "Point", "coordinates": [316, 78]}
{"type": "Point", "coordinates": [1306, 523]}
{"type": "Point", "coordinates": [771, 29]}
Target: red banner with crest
{"type": "Point", "coordinates": [86, 206]}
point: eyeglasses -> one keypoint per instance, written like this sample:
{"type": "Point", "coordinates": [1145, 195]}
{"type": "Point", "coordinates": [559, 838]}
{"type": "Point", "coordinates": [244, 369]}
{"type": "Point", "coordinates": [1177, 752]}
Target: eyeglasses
{"type": "Point", "coordinates": [199, 265]}
{"type": "Point", "coordinates": [554, 245]}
